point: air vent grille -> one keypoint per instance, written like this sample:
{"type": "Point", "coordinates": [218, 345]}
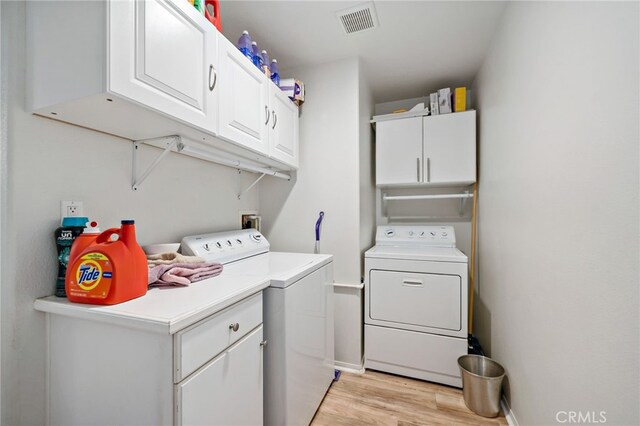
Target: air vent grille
{"type": "Point", "coordinates": [358, 19]}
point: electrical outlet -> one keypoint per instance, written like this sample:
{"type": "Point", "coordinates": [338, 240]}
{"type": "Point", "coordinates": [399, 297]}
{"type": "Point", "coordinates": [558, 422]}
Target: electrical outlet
{"type": "Point", "coordinates": [71, 209]}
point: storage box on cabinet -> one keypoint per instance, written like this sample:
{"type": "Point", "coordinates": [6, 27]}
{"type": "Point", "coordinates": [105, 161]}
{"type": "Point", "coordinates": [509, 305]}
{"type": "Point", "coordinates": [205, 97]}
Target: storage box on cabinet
{"type": "Point", "coordinates": [433, 150]}
{"type": "Point", "coordinates": [201, 342]}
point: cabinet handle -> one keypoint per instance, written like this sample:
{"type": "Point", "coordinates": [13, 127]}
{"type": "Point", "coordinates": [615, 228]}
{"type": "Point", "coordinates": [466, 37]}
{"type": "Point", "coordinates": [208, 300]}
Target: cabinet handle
{"type": "Point", "coordinates": [412, 283]}
{"type": "Point", "coordinates": [428, 169]}
{"type": "Point", "coordinates": [266, 111]}
{"type": "Point", "coordinates": [212, 70]}
{"type": "Point", "coordinates": [275, 119]}
{"type": "Point", "coordinates": [263, 343]}
{"type": "Point", "coordinates": [234, 326]}
{"type": "Point", "coordinates": [418, 169]}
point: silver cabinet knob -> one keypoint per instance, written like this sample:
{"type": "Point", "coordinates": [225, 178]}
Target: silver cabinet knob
{"type": "Point", "coordinates": [234, 326]}
{"type": "Point", "coordinates": [263, 343]}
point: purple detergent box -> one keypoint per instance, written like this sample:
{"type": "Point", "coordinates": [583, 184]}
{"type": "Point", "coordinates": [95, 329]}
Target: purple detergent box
{"type": "Point", "coordinates": [294, 89]}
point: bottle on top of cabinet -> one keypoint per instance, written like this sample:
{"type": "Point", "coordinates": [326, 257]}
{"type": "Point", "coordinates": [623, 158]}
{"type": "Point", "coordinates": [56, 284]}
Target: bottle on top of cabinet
{"type": "Point", "coordinates": [275, 73]}
{"type": "Point", "coordinates": [244, 44]}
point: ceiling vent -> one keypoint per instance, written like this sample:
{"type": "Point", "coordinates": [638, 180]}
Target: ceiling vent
{"type": "Point", "coordinates": [358, 19]}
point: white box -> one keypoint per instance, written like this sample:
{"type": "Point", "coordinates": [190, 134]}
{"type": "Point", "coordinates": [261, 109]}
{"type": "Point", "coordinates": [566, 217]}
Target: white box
{"type": "Point", "coordinates": [444, 101]}
{"type": "Point", "coordinates": [433, 104]}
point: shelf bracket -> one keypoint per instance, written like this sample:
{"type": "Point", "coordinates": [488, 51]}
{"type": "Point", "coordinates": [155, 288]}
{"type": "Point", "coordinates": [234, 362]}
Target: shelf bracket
{"type": "Point", "coordinates": [172, 142]}
{"type": "Point", "coordinates": [248, 188]}
{"type": "Point", "coordinates": [463, 203]}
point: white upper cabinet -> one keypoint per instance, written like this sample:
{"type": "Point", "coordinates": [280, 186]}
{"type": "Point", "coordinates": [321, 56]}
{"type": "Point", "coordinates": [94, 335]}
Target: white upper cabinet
{"type": "Point", "coordinates": [283, 129]}
{"type": "Point", "coordinates": [149, 69]}
{"type": "Point", "coordinates": [399, 151]}
{"type": "Point", "coordinates": [434, 150]}
{"type": "Point", "coordinates": [164, 55]}
{"type": "Point", "coordinates": [450, 148]}
{"type": "Point", "coordinates": [244, 103]}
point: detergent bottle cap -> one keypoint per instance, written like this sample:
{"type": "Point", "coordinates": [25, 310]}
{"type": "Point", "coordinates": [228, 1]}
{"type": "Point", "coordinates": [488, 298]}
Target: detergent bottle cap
{"type": "Point", "coordinates": [253, 43]}
{"type": "Point", "coordinates": [245, 32]}
{"type": "Point", "coordinates": [127, 222]}
{"type": "Point", "coordinates": [91, 228]}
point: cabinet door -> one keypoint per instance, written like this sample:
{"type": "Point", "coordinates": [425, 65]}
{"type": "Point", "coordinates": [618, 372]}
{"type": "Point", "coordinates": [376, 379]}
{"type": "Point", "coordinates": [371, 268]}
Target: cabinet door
{"type": "Point", "coordinates": [164, 55]}
{"type": "Point", "coordinates": [399, 151]}
{"type": "Point", "coordinates": [244, 103]}
{"type": "Point", "coordinates": [450, 148]}
{"type": "Point", "coordinates": [283, 133]}
{"type": "Point", "coordinates": [227, 390]}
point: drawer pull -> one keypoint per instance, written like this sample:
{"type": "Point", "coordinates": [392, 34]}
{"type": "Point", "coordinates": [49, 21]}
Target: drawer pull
{"type": "Point", "coordinates": [412, 283]}
{"type": "Point", "coordinates": [263, 343]}
{"type": "Point", "coordinates": [235, 326]}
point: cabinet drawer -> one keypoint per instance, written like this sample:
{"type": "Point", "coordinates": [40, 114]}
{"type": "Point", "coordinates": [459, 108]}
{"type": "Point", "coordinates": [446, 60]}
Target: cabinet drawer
{"type": "Point", "coordinates": [198, 344]}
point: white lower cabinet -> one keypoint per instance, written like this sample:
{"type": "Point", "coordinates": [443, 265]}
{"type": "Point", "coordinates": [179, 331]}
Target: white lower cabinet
{"type": "Point", "coordinates": [112, 370]}
{"type": "Point", "coordinates": [227, 390]}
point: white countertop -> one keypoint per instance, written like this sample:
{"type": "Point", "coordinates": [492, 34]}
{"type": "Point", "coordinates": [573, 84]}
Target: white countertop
{"type": "Point", "coordinates": [164, 310]}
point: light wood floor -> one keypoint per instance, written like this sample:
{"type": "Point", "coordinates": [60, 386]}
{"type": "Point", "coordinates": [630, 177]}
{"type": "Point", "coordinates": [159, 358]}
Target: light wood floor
{"type": "Point", "coordinates": [376, 398]}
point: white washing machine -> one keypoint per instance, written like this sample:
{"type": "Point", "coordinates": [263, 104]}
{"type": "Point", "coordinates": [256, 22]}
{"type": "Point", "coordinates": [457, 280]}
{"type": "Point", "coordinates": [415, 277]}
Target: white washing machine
{"type": "Point", "coordinates": [298, 318]}
{"type": "Point", "coordinates": [416, 303]}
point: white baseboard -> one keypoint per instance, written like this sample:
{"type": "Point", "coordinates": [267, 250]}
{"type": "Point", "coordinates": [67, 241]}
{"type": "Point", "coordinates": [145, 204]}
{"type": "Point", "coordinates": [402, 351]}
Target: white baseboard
{"type": "Point", "coordinates": [350, 368]}
{"type": "Point", "coordinates": [508, 412]}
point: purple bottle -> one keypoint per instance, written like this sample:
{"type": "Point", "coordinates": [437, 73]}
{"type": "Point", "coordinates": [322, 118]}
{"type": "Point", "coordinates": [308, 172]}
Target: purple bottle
{"type": "Point", "coordinates": [244, 44]}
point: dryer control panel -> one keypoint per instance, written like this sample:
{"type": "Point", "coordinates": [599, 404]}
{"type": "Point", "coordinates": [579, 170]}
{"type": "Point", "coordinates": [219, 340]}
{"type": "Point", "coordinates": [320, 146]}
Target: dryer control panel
{"type": "Point", "coordinates": [418, 235]}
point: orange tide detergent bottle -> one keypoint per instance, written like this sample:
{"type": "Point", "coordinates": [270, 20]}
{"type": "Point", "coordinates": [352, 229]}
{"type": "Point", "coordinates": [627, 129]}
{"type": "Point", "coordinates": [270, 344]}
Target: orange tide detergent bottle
{"type": "Point", "coordinates": [82, 241]}
{"type": "Point", "coordinates": [108, 272]}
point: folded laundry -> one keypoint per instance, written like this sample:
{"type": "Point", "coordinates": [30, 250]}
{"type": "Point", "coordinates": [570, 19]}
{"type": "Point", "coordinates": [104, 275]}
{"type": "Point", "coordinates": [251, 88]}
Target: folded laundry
{"type": "Point", "coordinates": [182, 274]}
{"type": "Point", "coordinates": [171, 258]}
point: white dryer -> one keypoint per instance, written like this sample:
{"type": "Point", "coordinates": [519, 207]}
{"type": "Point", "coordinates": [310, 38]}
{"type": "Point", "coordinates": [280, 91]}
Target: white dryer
{"type": "Point", "coordinates": [416, 303]}
{"type": "Point", "coordinates": [298, 319]}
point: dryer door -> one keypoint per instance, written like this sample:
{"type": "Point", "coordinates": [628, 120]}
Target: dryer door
{"type": "Point", "coordinates": [417, 299]}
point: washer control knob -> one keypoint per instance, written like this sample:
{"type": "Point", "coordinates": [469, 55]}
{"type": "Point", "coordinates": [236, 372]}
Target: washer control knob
{"type": "Point", "coordinates": [218, 244]}
{"type": "Point", "coordinates": [411, 233]}
{"type": "Point", "coordinates": [256, 237]}
{"type": "Point", "coordinates": [229, 243]}
{"type": "Point", "coordinates": [206, 246]}
{"type": "Point", "coordinates": [444, 234]}
{"type": "Point", "coordinates": [389, 233]}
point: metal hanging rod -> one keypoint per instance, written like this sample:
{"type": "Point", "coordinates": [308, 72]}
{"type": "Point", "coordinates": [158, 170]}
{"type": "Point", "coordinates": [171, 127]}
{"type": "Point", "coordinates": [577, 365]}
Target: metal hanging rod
{"type": "Point", "coordinates": [237, 164]}
{"type": "Point", "coordinates": [461, 196]}
{"type": "Point", "coordinates": [386, 197]}
{"type": "Point", "coordinates": [176, 142]}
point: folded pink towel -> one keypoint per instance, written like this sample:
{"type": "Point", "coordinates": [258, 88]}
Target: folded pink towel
{"type": "Point", "coordinates": [182, 274]}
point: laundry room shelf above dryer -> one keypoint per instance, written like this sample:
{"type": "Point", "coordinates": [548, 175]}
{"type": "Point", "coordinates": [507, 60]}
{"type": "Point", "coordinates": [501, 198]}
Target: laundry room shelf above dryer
{"type": "Point", "coordinates": [462, 196]}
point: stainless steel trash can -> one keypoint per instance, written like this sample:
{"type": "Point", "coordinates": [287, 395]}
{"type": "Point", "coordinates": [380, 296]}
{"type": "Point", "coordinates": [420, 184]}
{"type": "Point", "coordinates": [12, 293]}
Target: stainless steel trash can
{"type": "Point", "coordinates": [481, 384]}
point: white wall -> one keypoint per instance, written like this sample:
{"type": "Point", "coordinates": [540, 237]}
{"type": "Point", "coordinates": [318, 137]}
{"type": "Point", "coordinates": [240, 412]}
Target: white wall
{"type": "Point", "coordinates": [335, 154]}
{"type": "Point", "coordinates": [559, 220]}
{"type": "Point", "coordinates": [329, 176]}
{"type": "Point", "coordinates": [49, 161]}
